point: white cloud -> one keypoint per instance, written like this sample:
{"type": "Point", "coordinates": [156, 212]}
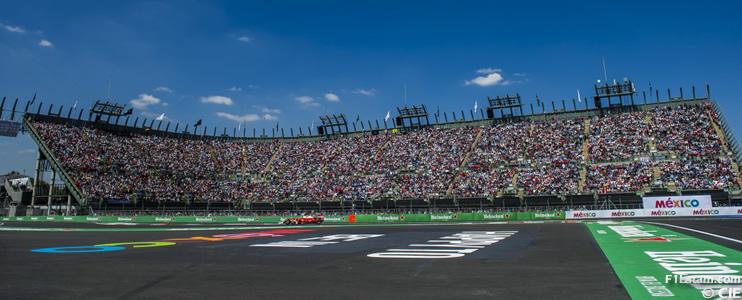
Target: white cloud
{"type": "Point", "coordinates": [369, 92]}
{"type": "Point", "coordinates": [26, 151]}
{"type": "Point", "coordinates": [332, 97]}
{"type": "Point", "coordinates": [16, 29]}
{"type": "Point", "coordinates": [306, 100]}
{"type": "Point", "coordinates": [267, 110]}
{"type": "Point", "coordinates": [163, 89]}
{"type": "Point", "coordinates": [521, 74]}
{"type": "Point", "coordinates": [45, 43]}
{"type": "Point", "coordinates": [253, 86]}
{"type": "Point", "coordinates": [270, 117]}
{"type": "Point", "coordinates": [491, 79]}
{"type": "Point", "coordinates": [244, 39]}
{"type": "Point", "coordinates": [143, 101]}
{"type": "Point", "coordinates": [489, 71]}
{"type": "Point", "coordinates": [154, 115]}
{"type": "Point", "coordinates": [245, 118]}
{"type": "Point", "coordinates": [235, 89]}
{"type": "Point", "coordinates": [217, 100]}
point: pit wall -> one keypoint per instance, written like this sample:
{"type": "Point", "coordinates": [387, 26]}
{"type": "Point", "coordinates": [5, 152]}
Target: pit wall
{"type": "Point", "coordinates": [394, 218]}
{"type": "Point", "coordinates": [655, 213]}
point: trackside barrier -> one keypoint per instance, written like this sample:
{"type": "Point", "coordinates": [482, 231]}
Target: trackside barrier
{"type": "Point", "coordinates": [655, 213]}
{"type": "Point", "coordinates": [392, 218]}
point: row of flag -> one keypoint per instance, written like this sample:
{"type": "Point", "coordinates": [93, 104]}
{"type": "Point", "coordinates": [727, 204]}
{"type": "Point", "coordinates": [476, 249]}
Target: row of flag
{"type": "Point", "coordinates": [161, 117]}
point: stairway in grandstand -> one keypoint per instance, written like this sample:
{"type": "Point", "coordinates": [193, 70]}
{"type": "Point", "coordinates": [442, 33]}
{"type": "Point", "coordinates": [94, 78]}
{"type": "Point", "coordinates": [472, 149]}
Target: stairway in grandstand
{"type": "Point", "coordinates": [382, 147]}
{"type": "Point", "coordinates": [652, 143]}
{"type": "Point", "coordinates": [735, 166]}
{"type": "Point", "coordinates": [464, 160]}
{"type": "Point", "coordinates": [586, 142]}
{"type": "Point", "coordinates": [656, 173]}
{"type": "Point", "coordinates": [583, 179]}
{"type": "Point", "coordinates": [213, 157]}
{"type": "Point", "coordinates": [719, 132]}
{"type": "Point", "coordinates": [270, 161]}
{"type": "Point", "coordinates": [243, 163]}
{"type": "Point", "coordinates": [516, 173]}
{"type": "Point", "coordinates": [585, 156]}
{"type": "Point", "coordinates": [724, 143]}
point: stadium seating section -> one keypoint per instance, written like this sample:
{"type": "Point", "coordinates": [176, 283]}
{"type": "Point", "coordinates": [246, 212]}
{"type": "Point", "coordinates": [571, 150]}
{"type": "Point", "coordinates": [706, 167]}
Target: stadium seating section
{"type": "Point", "coordinates": [625, 152]}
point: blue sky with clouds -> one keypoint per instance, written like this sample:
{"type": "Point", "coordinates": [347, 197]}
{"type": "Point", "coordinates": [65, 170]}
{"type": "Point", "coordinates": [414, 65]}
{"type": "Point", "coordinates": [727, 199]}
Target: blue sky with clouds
{"type": "Point", "coordinates": [286, 62]}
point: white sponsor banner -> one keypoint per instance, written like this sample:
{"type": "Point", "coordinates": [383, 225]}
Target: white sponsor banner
{"type": "Point", "coordinates": [675, 202]}
{"type": "Point", "coordinates": [653, 213]}
{"type": "Point", "coordinates": [605, 214]}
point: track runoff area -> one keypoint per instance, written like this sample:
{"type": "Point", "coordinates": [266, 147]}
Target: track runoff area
{"type": "Point", "coordinates": [591, 259]}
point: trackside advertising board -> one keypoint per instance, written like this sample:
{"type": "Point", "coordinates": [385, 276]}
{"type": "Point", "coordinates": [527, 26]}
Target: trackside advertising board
{"type": "Point", "coordinates": [656, 263]}
{"type": "Point", "coordinates": [651, 213]}
{"type": "Point", "coordinates": [359, 218]}
{"type": "Point", "coordinates": [667, 202]}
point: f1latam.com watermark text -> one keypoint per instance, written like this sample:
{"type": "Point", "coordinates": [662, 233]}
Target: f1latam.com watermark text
{"type": "Point", "coordinates": [732, 292]}
{"type": "Point", "coordinates": [703, 279]}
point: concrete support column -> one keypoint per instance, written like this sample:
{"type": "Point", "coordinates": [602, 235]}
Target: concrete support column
{"type": "Point", "coordinates": [69, 204]}
{"type": "Point", "coordinates": [37, 178]}
{"type": "Point", "coordinates": [51, 189]}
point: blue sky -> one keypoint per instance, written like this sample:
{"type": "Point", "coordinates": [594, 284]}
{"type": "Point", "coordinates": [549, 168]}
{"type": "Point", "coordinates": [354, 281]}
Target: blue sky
{"type": "Point", "coordinates": [287, 62]}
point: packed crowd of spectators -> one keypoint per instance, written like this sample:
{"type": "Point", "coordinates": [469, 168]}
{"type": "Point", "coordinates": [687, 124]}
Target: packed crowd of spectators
{"type": "Point", "coordinates": [685, 130]}
{"type": "Point", "coordinates": [619, 137]}
{"type": "Point", "coordinates": [535, 158]}
{"type": "Point", "coordinates": [699, 173]}
{"type": "Point", "coordinates": [618, 178]}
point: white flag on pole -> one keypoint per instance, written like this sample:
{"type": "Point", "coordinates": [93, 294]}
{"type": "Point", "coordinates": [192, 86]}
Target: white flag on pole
{"type": "Point", "coordinates": [161, 117]}
{"type": "Point", "coordinates": [74, 107]}
{"type": "Point", "coordinates": [387, 116]}
{"type": "Point", "coordinates": [475, 105]}
{"type": "Point", "coordinates": [312, 128]}
{"type": "Point", "coordinates": [578, 96]}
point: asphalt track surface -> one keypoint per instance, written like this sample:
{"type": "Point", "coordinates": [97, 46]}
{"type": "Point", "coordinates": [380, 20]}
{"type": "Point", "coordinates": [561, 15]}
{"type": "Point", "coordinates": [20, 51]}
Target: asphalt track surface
{"type": "Point", "coordinates": [552, 260]}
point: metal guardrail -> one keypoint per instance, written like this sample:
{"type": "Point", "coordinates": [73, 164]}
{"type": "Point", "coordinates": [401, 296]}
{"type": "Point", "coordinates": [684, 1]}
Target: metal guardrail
{"type": "Point", "coordinates": [732, 141]}
{"type": "Point", "coordinates": [68, 182]}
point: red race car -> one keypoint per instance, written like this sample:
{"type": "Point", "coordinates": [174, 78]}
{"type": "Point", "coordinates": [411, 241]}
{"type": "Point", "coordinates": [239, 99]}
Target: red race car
{"type": "Point", "coordinates": [304, 220]}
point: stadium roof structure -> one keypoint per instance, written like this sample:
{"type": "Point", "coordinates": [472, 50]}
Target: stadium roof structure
{"type": "Point", "coordinates": [332, 124]}
{"type": "Point", "coordinates": [108, 109]}
{"type": "Point", "coordinates": [411, 117]}
{"type": "Point", "coordinates": [417, 116]}
{"type": "Point", "coordinates": [502, 104]}
{"type": "Point", "coordinates": [624, 91]}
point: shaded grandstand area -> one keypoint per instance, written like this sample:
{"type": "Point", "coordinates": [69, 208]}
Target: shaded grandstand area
{"type": "Point", "coordinates": [607, 157]}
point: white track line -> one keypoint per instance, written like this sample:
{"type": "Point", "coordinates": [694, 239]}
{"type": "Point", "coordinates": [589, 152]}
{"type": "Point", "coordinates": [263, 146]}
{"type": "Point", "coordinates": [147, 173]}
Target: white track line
{"type": "Point", "coordinates": [698, 231]}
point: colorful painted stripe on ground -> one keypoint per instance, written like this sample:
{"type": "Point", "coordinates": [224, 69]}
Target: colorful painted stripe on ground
{"type": "Point", "coordinates": [654, 263]}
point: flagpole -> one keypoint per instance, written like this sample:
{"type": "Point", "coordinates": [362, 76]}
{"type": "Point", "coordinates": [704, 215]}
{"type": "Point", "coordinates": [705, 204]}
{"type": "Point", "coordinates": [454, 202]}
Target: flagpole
{"type": "Point", "coordinates": [405, 94]}
{"type": "Point", "coordinates": [605, 74]}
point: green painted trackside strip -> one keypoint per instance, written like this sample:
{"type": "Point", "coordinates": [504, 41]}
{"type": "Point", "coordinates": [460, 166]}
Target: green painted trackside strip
{"type": "Point", "coordinates": [164, 228]}
{"type": "Point", "coordinates": [360, 218]}
{"type": "Point", "coordinates": [649, 261]}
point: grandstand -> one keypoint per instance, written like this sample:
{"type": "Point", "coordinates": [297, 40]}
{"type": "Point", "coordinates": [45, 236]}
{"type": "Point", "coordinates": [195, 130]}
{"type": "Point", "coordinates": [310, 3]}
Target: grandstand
{"type": "Point", "coordinates": [596, 157]}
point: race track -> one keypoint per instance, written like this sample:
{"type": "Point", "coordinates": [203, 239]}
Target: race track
{"type": "Point", "coordinates": [547, 260]}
